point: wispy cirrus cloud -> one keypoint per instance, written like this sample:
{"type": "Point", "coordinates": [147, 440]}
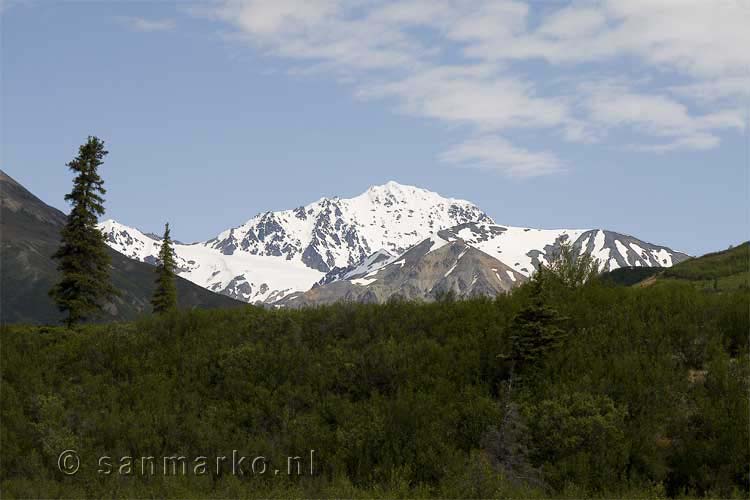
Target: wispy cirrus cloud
{"type": "Point", "coordinates": [496, 153]}
{"type": "Point", "coordinates": [657, 116]}
{"type": "Point", "coordinates": [476, 95]}
{"type": "Point", "coordinates": [148, 25]}
{"type": "Point", "coordinates": [5, 5]}
{"type": "Point", "coordinates": [465, 63]}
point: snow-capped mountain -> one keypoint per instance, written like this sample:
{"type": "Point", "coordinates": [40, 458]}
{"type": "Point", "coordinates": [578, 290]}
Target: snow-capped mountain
{"type": "Point", "coordinates": [524, 248]}
{"type": "Point", "coordinates": [243, 276]}
{"type": "Point", "coordinates": [334, 232]}
{"type": "Point", "coordinates": [275, 254]}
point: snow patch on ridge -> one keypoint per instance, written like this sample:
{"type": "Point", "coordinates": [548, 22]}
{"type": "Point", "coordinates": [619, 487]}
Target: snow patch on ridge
{"type": "Point", "coordinates": [275, 254]}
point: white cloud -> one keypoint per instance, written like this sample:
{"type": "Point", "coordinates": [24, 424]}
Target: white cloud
{"type": "Point", "coordinates": [696, 142]}
{"type": "Point", "coordinates": [457, 62]}
{"type": "Point", "coordinates": [272, 17]}
{"type": "Point", "coordinates": [487, 20]}
{"type": "Point", "coordinates": [472, 95]}
{"type": "Point", "coordinates": [324, 31]}
{"type": "Point", "coordinates": [657, 116]}
{"type": "Point", "coordinates": [701, 38]}
{"type": "Point", "coordinates": [573, 22]}
{"type": "Point", "coordinates": [704, 38]}
{"type": "Point", "coordinates": [5, 5]}
{"type": "Point", "coordinates": [496, 153]}
{"type": "Point", "coordinates": [149, 25]}
{"type": "Point", "coordinates": [733, 89]}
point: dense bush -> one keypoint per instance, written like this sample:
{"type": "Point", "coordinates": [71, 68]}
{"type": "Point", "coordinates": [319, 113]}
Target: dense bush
{"type": "Point", "coordinates": [646, 395]}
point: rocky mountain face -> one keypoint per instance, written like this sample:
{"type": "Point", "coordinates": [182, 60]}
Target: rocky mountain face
{"type": "Point", "coordinates": [465, 260]}
{"type": "Point", "coordinates": [277, 256]}
{"type": "Point", "coordinates": [438, 266]}
{"type": "Point", "coordinates": [30, 234]}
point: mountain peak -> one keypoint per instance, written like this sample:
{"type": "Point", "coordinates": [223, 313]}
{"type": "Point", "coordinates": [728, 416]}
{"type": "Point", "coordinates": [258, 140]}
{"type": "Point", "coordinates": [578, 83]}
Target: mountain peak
{"type": "Point", "coordinates": [395, 188]}
{"type": "Point", "coordinates": [393, 185]}
{"type": "Point", "coordinates": [111, 225]}
{"type": "Point", "coordinates": [393, 192]}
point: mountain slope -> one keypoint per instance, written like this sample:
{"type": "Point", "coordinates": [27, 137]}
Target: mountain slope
{"type": "Point", "coordinates": [278, 253]}
{"type": "Point", "coordinates": [525, 248]}
{"type": "Point", "coordinates": [717, 271]}
{"type": "Point", "coordinates": [433, 268]}
{"type": "Point", "coordinates": [723, 264]}
{"type": "Point", "coordinates": [30, 235]}
{"type": "Point", "coordinates": [628, 276]}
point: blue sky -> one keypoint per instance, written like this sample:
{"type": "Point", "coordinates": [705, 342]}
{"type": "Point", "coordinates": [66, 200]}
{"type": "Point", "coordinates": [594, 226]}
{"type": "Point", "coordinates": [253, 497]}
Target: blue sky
{"type": "Point", "coordinates": [628, 115]}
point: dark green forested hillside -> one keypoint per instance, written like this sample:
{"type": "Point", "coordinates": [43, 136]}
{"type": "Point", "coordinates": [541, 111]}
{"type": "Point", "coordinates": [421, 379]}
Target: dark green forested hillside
{"type": "Point", "coordinates": [724, 270]}
{"type": "Point", "coordinates": [628, 276]}
{"type": "Point", "coordinates": [718, 271]}
{"type": "Point", "coordinates": [634, 392]}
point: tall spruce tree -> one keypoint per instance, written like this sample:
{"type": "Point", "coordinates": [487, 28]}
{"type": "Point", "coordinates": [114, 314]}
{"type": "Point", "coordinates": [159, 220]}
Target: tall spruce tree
{"type": "Point", "coordinates": [165, 295]}
{"type": "Point", "coordinates": [83, 259]}
{"type": "Point", "coordinates": [537, 328]}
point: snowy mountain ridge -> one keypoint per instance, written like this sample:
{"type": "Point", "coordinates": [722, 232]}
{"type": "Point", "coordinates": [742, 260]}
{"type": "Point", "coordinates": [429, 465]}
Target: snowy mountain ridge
{"type": "Point", "coordinates": [339, 232]}
{"type": "Point", "coordinates": [275, 254]}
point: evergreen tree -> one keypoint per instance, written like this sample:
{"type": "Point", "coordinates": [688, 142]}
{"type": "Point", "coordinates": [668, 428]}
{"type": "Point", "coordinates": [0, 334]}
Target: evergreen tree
{"type": "Point", "coordinates": [83, 258]}
{"type": "Point", "coordinates": [536, 329]}
{"type": "Point", "coordinates": [165, 295]}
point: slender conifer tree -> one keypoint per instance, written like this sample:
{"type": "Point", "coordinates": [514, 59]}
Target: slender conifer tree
{"type": "Point", "coordinates": [82, 258]}
{"type": "Point", "coordinates": [165, 295]}
{"type": "Point", "coordinates": [537, 328]}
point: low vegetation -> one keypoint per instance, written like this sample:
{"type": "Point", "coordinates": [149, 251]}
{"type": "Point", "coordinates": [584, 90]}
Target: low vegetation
{"type": "Point", "coordinates": [630, 392]}
{"type": "Point", "coordinates": [725, 270]}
